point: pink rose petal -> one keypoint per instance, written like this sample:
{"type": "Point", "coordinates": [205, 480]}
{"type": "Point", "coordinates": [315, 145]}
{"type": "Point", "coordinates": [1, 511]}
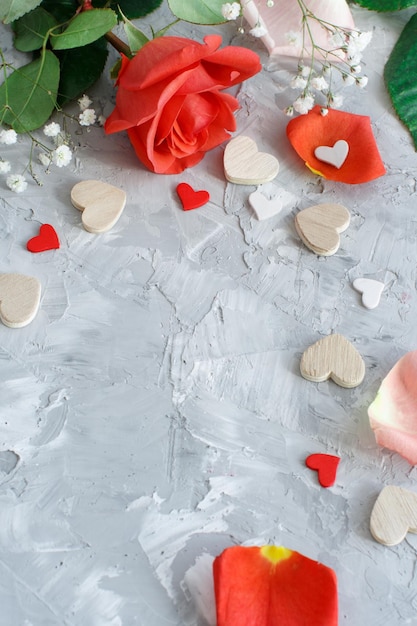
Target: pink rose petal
{"type": "Point", "coordinates": [393, 413]}
{"type": "Point", "coordinates": [285, 16]}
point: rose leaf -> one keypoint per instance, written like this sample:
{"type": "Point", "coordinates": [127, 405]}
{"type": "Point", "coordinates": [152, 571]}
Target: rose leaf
{"type": "Point", "coordinates": [135, 37]}
{"type": "Point", "coordinates": [386, 5]}
{"type": "Point", "coordinates": [31, 29]}
{"type": "Point", "coordinates": [92, 58]}
{"type": "Point", "coordinates": [399, 74]}
{"type": "Point", "coordinates": [28, 95]}
{"type": "Point", "coordinates": [11, 10]}
{"type": "Point", "coordinates": [198, 11]}
{"type": "Point", "coordinates": [85, 28]}
{"type": "Point", "coordinates": [132, 9]}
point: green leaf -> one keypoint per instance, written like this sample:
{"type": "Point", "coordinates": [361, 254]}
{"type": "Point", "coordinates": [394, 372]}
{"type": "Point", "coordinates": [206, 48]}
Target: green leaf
{"type": "Point", "coordinates": [91, 58]}
{"type": "Point", "coordinates": [132, 9]}
{"type": "Point", "coordinates": [28, 95]}
{"type": "Point", "coordinates": [63, 10]}
{"type": "Point", "coordinates": [31, 30]}
{"type": "Point", "coordinates": [400, 77]}
{"type": "Point", "coordinates": [85, 28]}
{"type": "Point", "coordinates": [11, 10]}
{"type": "Point", "coordinates": [198, 11]}
{"type": "Point", "coordinates": [386, 5]}
{"type": "Point", "coordinates": [135, 37]}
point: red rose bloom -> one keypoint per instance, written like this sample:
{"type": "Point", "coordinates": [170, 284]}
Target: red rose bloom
{"type": "Point", "coordinates": [169, 99]}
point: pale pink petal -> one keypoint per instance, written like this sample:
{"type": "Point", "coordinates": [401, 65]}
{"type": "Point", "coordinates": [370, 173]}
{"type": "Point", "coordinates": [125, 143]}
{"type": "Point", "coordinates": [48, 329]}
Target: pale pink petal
{"type": "Point", "coordinates": [285, 16]}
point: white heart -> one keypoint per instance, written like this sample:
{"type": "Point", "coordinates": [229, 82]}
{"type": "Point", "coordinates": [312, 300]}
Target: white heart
{"type": "Point", "coordinates": [335, 155]}
{"type": "Point", "coordinates": [371, 291]}
{"type": "Point", "coordinates": [263, 207]}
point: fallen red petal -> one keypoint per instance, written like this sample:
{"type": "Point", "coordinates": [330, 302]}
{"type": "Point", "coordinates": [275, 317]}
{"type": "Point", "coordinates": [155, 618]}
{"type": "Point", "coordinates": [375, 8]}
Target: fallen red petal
{"type": "Point", "coordinates": [308, 132]}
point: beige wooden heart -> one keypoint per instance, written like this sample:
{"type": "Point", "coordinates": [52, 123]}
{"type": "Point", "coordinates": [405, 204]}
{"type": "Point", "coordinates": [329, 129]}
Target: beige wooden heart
{"type": "Point", "coordinates": [20, 297]}
{"type": "Point", "coordinates": [394, 515]}
{"type": "Point", "coordinates": [333, 357]}
{"type": "Point", "coordinates": [101, 204]}
{"type": "Point", "coordinates": [244, 165]}
{"type": "Point", "coordinates": [319, 227]}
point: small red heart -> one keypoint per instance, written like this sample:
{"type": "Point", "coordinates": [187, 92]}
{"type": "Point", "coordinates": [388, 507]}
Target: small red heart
{"type": "Point", "coordinates": [46, 240]}
{"type": "Point", "coordinates": [191, 199]}
{"type": "Point", "coordinates": [326, 466]}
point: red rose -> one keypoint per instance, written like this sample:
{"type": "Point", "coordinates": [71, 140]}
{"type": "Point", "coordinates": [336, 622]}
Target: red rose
{"type": "Point", "coordinates": [170, 99]}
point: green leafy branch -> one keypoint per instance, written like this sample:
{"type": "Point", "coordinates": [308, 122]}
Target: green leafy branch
{"type": "Point", "coordinates": [401, 68]}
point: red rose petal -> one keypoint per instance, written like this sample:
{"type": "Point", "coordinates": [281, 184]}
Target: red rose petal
{"type": "Point", "coordinates": [270, 586]}
{"type": "Point", "coordinates": [308, 132]}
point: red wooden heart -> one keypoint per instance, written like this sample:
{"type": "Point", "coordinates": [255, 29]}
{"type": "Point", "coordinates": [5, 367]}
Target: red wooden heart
{"type": "Point", "coordinates": [326, 466]}
{"type": "Point", "coordinates": [46, 240]}
{"type": "Point", "coordinates": [191, 199]}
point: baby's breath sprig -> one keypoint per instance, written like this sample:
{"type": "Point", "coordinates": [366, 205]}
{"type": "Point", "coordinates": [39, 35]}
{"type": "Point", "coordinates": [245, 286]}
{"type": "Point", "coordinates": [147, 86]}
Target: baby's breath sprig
{"type": "Point", "coordinates": [51, 146]}
{"type": "Point", "coordinates": [318, 66]}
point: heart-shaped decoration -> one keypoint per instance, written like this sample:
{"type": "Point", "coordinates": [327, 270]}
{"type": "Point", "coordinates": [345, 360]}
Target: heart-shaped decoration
{"type": "Point", "coordinates": [101, 204]}
{"type": "Point", "coordinates": [46, 240]}
{"type": "Point", "coordinates": [20, 297]}
{"type": "Point", "coordinates": [371, 291]}
{"type": "Point", "coordinates": [244, 165]}
{"type": "Point", "coordinates": [191, 199]}
{"type": "Point", "coordinates": [394, 515]}
{"type": "Point", "coordinates": [335, 155]}
{"type": "Point", "coordinates": [333, 357]}
{"type": "Point", "coordinates": [263, 207]}
{"type": "Point", "coordinates": [326, 466]}
{"type": "Point", "coordinates": [319, 227]}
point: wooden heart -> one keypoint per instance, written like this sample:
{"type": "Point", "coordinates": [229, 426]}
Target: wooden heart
{"type": "Point", "coordinates": [371, 291]}
{"type": "Point", "coordinates": [263, 207]}
{"type": "Point", "coordinates": [394, 515]}
{"type": "Point", "coordinates": [333, 357]}
{"type": "Point", "coordinates": [191, 199]}
{"type": "Point", "coordinates": [46, 240]}
{"type": "Point", "coordinates": [244, 165]}
{"type": "Point", "coordinates": [333, 155]}
{"type": "Point", "coordinates": [20, 297]}
{"type": "Point", "coordinates": [101, 204]}
{"type": "Point", "coordinates": [326, 466]}
{"type": "Point", "coordinates": [319, 227]}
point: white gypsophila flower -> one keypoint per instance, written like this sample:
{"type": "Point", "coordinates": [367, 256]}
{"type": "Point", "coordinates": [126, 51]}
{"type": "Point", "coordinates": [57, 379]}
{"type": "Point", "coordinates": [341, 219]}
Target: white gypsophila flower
{"type": "Point", "coordinates": [61, 156]}
{"type": "Point", "coordinates": [258, 31]}
{"type": "Point", "coordinates": [4, 167]}
{"type": "Point", "coordinates": [8, 137]}
{"type": "Point", "coordinates": [101, 119]}
{"type": "Point", "coordinates": [294, 37]}
{"type": "Point", "coordinates": [45, 159]}
{"type": "Point", "coordinates": [355, 69]}
{"type": "Point", "coordinates": [362, 81]}
{"type": "Point", "coordinates": [87, 117]}
{"type": "Point", "coordinates": [304, 70]}
{"type": "Point", "coordinates": [298, 82]}
{"type": "Point", "coordinates": [348, 79]}
{"type": "Point", "coordinates": [336, 100]}
{"type": "Point", "coordinates": [324, 111]}
{"type": "Point", "coordinates": [16, 182]}
{"type": "Point", "coordinates": [231, 10]}
{"type": "Point", "coordinates": [362, 40]}
{"type": "Point", "coordinates": [289, 110]}
{"type": "Point", "coordinates": [52, 130]}
{"type": "Point", "coordinates": [84, 102]}
{"type": "Point", "coordinates": [319, 83]}
{"type": "Point", "coordinates": [304, 104]}
{"type": "Point", "coordinates": [337, 40]}
{"type": "Point", "coordinates": [326, 69]}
